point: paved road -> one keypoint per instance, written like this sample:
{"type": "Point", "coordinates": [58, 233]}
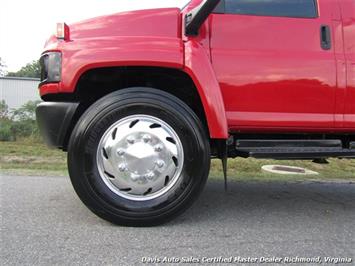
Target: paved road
{"type": "Point", "coordinates": [44, 223]}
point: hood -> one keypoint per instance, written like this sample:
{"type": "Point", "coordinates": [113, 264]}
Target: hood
{"type": "Point", "coordinates": [163, 22]}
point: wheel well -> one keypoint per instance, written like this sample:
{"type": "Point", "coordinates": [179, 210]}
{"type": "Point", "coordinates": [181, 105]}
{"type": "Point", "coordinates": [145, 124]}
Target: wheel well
{"type": "Point", "coordinates": [96, 83]}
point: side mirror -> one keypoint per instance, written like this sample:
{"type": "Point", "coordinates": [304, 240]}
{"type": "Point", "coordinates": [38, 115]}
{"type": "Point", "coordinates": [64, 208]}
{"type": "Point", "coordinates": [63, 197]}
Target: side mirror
{"type": "Point", "coordinates": [197, 16]}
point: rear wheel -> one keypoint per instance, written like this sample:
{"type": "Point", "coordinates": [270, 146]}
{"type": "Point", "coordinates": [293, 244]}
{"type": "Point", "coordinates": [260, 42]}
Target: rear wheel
{"type": "Point", "coordinates": [138, 157]}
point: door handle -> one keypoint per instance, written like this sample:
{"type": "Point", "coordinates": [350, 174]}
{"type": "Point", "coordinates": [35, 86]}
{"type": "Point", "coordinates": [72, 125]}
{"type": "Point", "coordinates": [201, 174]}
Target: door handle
{"type": "Point", "coordinates": [325, 38]}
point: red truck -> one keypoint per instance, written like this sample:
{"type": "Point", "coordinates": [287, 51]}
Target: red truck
{"type": "Point", "coordinates": [142, 100]}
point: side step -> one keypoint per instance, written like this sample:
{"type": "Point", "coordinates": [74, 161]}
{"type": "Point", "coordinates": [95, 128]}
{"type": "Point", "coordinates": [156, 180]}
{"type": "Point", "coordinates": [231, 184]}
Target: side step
{"type": "Point", "coordinates": [294, 149]}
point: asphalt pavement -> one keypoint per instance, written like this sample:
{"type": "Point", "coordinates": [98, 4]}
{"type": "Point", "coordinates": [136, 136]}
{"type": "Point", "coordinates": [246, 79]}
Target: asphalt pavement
{"type": "Point", "coordinates": [44, 223]}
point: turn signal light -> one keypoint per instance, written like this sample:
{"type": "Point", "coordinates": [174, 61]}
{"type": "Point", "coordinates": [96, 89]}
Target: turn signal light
{"type": "Point", "coordinates": [63, 31]}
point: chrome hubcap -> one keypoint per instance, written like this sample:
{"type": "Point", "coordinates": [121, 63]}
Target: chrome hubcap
{"type": "Point", "coordinates": [140, 157]}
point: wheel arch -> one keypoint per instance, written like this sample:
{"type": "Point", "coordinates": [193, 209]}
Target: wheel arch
{"type": "Point", "coordinates": [95, 83]}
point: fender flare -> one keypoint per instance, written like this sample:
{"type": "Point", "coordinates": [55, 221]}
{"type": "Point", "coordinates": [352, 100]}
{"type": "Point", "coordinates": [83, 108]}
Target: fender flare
{"type": "Point", "coordinates": [198, 67]}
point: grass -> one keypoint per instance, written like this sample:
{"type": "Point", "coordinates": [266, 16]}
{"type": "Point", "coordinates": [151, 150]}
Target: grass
{"type": "Point", "coordinates": [26, 157]}
{"type": "Point", "coordinates": [250, 169]}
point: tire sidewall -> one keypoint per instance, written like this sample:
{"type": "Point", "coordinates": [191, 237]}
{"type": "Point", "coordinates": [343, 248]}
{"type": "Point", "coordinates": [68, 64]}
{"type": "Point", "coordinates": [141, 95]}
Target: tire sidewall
{"type": "Point", "coordinates": [98, 118]}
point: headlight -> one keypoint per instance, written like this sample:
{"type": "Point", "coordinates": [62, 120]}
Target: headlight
{"type": "Point", "coordinates": [51, 67]}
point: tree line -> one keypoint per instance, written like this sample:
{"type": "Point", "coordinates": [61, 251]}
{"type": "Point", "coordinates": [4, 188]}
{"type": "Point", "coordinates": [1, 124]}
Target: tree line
{"type": "Point", "coordinates": [30, 70]}
{"type": "Point", "coordinates": [18, 123]}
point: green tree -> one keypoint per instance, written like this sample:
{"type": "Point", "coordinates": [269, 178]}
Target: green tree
{"type": "Point", "coordinates": [5, 123]}
{"type": "Point", "coordinates": [18, 123]}
{"type": "Point", "coordinates": [26, 112]}
{"type": "Point", "coordinates": [31, 70]}
{"type": "Point", "coordinates": [24, 121]}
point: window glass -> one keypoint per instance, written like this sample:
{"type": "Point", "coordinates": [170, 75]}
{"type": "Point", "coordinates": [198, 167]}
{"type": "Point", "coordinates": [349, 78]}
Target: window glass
{"type": "Point", "coordinates": [277, 8]}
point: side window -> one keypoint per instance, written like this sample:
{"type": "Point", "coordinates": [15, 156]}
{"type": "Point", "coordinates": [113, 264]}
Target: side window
{"type": "Point", "coordinates": [275, 8]}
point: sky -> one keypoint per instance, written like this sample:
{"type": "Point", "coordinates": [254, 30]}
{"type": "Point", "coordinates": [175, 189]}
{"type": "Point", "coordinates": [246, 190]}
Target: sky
{"type": "Point", "coordinates": [26, 24]}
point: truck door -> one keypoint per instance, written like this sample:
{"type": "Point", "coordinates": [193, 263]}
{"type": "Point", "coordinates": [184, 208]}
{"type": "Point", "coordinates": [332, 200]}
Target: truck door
{"type": "Point", "coordinates": [274, 60]}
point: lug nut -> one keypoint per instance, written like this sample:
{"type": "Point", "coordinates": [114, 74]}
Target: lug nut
{"type": "Point", "coordinates": [160, 163]}
{"type": "Point", "coordinates": [135, 177]}
{"type": "Point", "coordinates": [130, 140]}
{"type": "Point", "coordinates": [150, 176]}
{"type": "Point", "coordinates": [120, 152]}
{"type": "Point", "coordinates": [158, 148]}
{"type": "Point", "coordinates": [147, 138]}
{"type": "Point", "coordinates": [122, 167]}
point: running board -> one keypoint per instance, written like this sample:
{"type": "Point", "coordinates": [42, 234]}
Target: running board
{"type": "Point", "coordinates": [294, 149]}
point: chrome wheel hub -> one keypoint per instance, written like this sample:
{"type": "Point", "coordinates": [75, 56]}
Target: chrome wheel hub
{"type": "Point", "coordinates": [140, 157]}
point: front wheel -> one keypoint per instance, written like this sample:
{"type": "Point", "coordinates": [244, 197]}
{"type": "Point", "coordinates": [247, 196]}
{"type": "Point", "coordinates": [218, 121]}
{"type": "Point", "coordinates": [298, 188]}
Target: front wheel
{"type": "Point", "coordinates": [138, 157]}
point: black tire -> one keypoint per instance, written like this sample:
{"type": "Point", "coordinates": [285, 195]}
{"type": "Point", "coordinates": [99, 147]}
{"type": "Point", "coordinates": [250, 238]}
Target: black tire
{"type": "Point", "coordinates": [85, 139]}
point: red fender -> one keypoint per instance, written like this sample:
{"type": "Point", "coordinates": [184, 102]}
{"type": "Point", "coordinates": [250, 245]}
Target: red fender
{"type": "Point", "coordinates": [164, 54]}
{"type": "Point", "coordinates": [198, 67]}
{"type": "Point", "coordinates": [136, 38]}
{"type": "Point", "coordinates": [99, 42]}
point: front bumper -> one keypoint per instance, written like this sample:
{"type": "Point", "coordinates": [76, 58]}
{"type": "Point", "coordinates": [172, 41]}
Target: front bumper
{"type": "Point", "coordinates": [54, 120]}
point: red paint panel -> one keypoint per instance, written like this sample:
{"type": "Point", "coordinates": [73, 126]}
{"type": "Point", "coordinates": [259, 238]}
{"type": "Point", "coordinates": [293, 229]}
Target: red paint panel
{"type": "Point", "coordinates": [137, 38]}
{"type": "Point", "coordinates": [340, 66]}
{"type": "Point", "coordinates": [279, 119]}
{"type": "Point", "coordinates": [271, 67]}
{"type": "Point", "coordinates": [154, 22]}
{"type": "Point", "coordinates": [198, 66]}
{"type": "Point", "coordinates": [49, 88]}
{"type": "Point", "coordinates": [348, 15]}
